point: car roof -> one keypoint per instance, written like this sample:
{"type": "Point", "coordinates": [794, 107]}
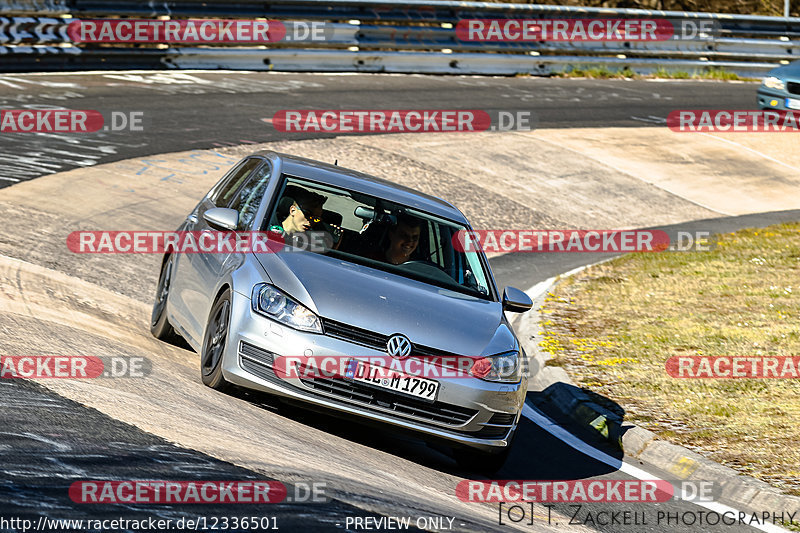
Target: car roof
{"type": "Point", "coordinates": [363, 183]}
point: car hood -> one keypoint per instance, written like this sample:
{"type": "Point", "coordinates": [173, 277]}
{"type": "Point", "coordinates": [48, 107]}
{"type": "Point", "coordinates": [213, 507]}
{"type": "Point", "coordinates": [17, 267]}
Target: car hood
{"type": "Point", "coordinates": [387, 304]}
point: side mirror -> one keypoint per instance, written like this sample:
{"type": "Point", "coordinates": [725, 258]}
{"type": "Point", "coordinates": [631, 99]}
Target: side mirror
{"type": "Point", "coordinates": [222, 218]}
{"type": "Point", "coordinates": [516, 301]}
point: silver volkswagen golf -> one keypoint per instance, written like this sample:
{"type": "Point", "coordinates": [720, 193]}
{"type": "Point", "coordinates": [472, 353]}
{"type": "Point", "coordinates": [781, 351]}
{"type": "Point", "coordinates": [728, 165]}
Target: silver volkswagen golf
{"type": "Point", "coordinates": [359, 274]}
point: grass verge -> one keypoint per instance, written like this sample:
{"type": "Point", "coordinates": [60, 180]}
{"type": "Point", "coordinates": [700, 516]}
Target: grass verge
{"type": "Point", "coordinates": [661, 73]}
{"type": "Point", "coordinates": [614, 325]}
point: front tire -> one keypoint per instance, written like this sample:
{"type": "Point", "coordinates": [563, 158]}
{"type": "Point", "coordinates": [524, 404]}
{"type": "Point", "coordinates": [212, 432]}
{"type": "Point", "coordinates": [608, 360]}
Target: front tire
{"type": "Point", "coordinates": [214, 343]}
{"type": "Point", "coordinates": [159, 324]}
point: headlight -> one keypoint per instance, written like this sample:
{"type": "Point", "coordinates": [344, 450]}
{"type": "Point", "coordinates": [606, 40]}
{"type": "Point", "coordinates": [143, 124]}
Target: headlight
{"type": "Point", "coordinates": [503, 368]}
{"type": "Point", "coordinates": [771, 82]}
{"type": "Point", "coordinates": [270, 302]}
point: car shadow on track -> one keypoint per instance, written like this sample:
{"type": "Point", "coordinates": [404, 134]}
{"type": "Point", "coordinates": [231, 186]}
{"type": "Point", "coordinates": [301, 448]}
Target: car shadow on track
{"type": "Point", "coordinates": [536, 454]}
{"type": "Point", "coordinates": [179, 342]}
{"type": "Point", "coordinates": [377, 436]}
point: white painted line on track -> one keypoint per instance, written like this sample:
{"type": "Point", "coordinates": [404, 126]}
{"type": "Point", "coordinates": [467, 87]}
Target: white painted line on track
{"type": "Point", "coordinates": [12, 85]}
{"type": "Point", "coordinates": [539, 289]}
{"type": "Point", "coordinates": [157, 71]}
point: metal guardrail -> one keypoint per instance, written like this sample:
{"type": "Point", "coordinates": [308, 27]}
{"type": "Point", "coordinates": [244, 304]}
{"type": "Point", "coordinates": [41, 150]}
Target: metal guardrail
{"type": "Point", "coordinates": [410, 11]}
{"type": "Point", "coordinates": [427, 63]}
{"type": "Point", "coordinates": [33, 37]}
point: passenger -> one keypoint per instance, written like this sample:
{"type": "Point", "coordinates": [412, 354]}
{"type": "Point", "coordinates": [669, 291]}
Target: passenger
{"type": "Point", "coordinates": [403, 240]}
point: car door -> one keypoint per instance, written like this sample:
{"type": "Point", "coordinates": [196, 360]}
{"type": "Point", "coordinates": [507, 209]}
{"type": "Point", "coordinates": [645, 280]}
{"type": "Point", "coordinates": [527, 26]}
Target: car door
{"type": "Point", "coordinates": [199, 273]}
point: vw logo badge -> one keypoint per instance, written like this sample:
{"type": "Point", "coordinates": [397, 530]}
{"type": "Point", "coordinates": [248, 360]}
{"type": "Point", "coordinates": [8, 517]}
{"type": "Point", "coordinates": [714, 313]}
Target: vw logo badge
{"type": "Point", "coordinates": [398, 346]}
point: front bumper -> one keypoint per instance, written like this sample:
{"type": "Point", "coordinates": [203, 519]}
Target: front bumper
{"type": "Point", "coordinates": [772, 99]}
{"type": "Point", "coordinates": [468, 411]}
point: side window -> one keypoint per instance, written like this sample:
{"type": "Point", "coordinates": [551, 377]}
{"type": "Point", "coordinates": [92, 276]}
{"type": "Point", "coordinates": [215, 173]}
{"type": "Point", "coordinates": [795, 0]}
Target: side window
{"type": "Point", "coordinates": [249, 196]}
{"type": "Point", "coordinates": [225, 195]}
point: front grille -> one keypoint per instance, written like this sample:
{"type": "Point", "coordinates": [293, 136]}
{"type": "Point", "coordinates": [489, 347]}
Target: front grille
{"type": "Point", "coordinates": [373, 340]}
{"type": "Point", "coordinates": [435, 412]}
{"type": "Point", "coordinates": [257, 361]}
{"type": "Point", "coordinates": [489, 432]}
{"type": "Point", "coordinates": [497, 426]}
{"type": "Point", "coordinates": [353, 334]}
{"type": "Point", "coordinates": [502, 418]}
{"type": "Point", "coordinates": [793, 87]}
{"type": "Point", "coordinates": [256, 354]}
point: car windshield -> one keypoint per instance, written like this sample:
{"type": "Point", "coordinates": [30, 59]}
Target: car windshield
{"type": "Point", "coordinates": [379, 234]}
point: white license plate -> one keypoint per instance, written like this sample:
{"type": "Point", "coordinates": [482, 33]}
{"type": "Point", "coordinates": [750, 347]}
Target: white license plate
{"type": "Point", "coordinates": [391, 380]}
{"type": "Point", "coordinates": [793, 103]}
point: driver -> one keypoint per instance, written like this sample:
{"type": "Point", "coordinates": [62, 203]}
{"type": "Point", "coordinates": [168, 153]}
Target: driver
{"type": "Point", "coordinates": [403, 240]}
{"type": "Point", "coordinates": [299, 213]}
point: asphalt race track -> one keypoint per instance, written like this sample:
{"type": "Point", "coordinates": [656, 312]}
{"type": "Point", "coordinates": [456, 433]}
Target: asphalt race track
{"type": "Point", "coordinates": [167, 425]}
{"type": "Point", "coordinates": [190, 110]}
